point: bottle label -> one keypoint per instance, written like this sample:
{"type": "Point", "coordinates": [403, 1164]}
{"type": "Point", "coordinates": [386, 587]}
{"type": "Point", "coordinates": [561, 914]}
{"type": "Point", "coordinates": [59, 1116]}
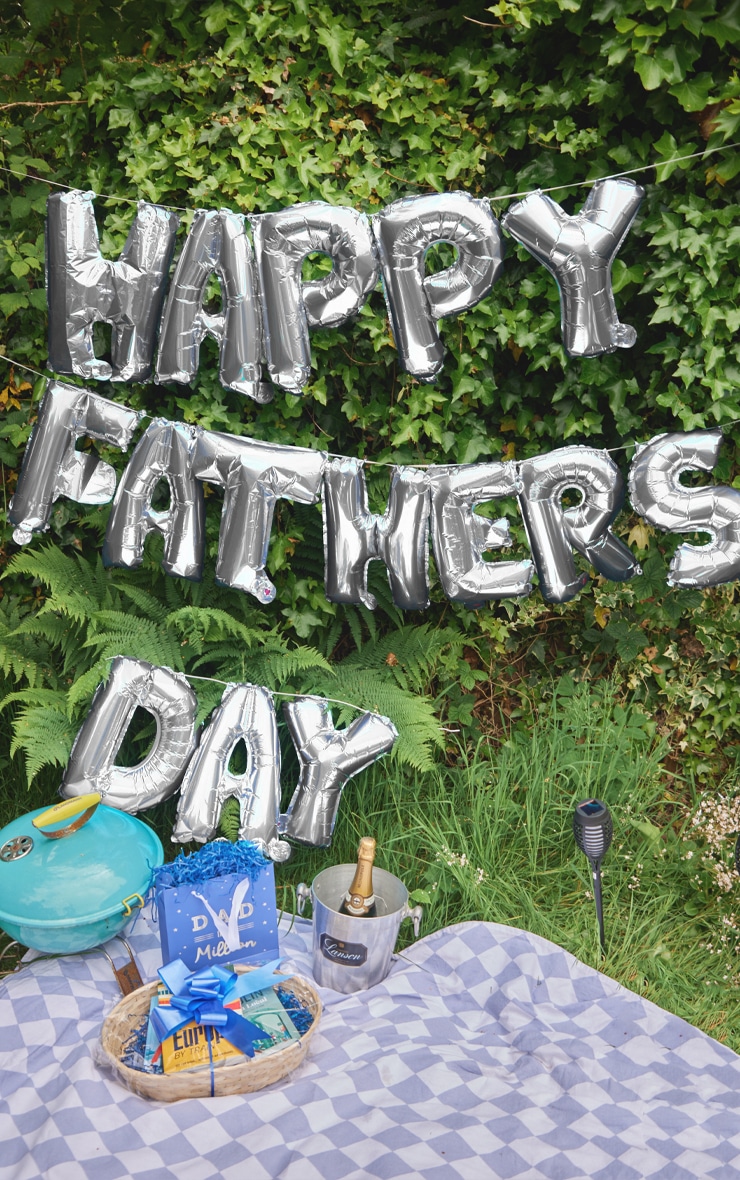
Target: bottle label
{"type": "Point", "coordinates": [350, 954]}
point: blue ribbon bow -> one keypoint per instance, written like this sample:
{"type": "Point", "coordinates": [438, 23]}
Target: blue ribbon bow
{"type": "Point", "coordinates": [201, 996]}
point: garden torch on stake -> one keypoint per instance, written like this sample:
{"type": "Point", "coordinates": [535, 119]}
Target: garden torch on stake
{"type": "Point", "coordinates": [592, 828]}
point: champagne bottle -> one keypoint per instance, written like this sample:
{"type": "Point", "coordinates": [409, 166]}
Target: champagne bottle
{"type": "Point", "coordinates": [359, 900]}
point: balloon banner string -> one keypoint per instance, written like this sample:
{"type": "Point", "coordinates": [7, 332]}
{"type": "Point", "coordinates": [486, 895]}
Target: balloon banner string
{"type": "Point", "coordinates": [313, 696]}
{"type": "Point", "coordinates": [20, 365]}
{"type": "Point", "coordinates": [143, 417]}
{"type": "Point", "coordinates": [725, 147]}
{"type": "Point", "coordinates": [289, 695]}
{"type": "Point", "coordinates": [105, 196]}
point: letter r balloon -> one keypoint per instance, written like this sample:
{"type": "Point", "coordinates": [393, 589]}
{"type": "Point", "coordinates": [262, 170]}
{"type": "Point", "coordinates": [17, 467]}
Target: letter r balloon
{"type": "Point", "coordinates": [554, 530]}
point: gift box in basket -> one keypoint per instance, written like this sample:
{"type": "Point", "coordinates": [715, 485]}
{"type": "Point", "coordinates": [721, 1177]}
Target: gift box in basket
{"type": "Point", "coordinates": [217, 906]}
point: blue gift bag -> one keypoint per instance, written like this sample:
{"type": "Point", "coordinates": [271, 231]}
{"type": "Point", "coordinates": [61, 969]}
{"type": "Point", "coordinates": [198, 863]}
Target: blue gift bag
{"type": "Point", "coordinates": [227, 919]}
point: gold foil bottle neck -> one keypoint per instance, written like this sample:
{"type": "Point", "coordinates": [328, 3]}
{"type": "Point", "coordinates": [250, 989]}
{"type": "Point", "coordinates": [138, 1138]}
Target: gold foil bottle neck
{"type": "Point", "coordinates": [359, 900]}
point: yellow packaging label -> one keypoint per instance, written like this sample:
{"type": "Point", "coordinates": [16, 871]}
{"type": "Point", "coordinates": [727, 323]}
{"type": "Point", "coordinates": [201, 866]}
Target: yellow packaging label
{"type": "Point", "coordinates": [189, 1047]}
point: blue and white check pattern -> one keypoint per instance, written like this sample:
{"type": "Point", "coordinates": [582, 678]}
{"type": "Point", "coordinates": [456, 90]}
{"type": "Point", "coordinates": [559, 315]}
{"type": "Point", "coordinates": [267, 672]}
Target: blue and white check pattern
{"type": "Point", "coordinates": [486, 1053]}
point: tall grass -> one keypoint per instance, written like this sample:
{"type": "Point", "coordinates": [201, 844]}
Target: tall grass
{"type": "Point", "coordinates": [490, 838]}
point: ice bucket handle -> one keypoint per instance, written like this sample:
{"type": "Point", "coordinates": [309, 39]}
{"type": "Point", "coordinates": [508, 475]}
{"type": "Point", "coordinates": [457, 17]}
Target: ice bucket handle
{"type": "Point", "coordinates": [416, 915]}
{"type": "Point", "coordinates": [302, 895]}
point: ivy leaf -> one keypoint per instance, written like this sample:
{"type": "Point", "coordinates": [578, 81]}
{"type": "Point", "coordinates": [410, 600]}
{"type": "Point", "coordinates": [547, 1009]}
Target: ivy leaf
{"type": "Point", "coordinates": [693, 94]}
{"type": "Point", "coordinates": [12, 301]}
{"type": "Point", "coordinates": [650, 71]}
{"type": "Point", "coordinates": [337, 42]}
{"type": "Point", "coordinates": [726, 29]}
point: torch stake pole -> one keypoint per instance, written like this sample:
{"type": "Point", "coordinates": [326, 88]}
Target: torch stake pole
{"type": "Point", "coordinates": [596, 875]}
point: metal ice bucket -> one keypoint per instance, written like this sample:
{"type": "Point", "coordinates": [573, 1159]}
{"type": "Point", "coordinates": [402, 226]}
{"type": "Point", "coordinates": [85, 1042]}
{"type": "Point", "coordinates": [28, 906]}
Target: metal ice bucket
{"type": "Point", "coordinates": [351, 954]}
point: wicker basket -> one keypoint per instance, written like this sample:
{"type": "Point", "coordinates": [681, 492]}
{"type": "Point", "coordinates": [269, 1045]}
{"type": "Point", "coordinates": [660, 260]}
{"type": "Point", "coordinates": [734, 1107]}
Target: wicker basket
{"type": "Point", "coordinates": [244, 1077]}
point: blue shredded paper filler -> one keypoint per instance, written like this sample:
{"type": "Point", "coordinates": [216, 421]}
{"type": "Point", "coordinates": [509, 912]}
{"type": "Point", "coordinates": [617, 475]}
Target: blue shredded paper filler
{"type": "Point", "coordinates": [298, 1012]}
{"type": "Point", "coordinates": [217, 859]}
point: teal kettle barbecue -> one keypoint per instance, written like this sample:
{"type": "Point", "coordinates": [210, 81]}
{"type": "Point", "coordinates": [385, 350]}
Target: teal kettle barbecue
{"type": "Point", "coordinates": [70, 886]}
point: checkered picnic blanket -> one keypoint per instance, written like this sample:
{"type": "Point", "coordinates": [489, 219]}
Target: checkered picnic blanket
{"type": "Point", "coordinates": [487, 1052]}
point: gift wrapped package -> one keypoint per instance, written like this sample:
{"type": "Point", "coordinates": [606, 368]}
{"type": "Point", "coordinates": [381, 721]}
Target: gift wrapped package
{"type": "Point", "coordinates": [217, 906]}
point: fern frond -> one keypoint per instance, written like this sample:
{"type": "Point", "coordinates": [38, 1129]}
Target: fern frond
{"type": "Point", "coordinates": [82, 689]}
{"type": "Point", "coordinates": [55, 634]}
{"type": "Point", "coordinates": [114, 633]}
{"type": "Point", "coordinates": [23, 656]}
{"type": "Point", "coordinates": [379, 586]}
{"type": "Point", "coordinates": [45, 734]}
{"type": "Point", "coordinates": [209, 695]}
{"type": "Point", "coordinates": [230, 819]}
{"type": "Point", "coordinates": [273, 667]}
{"type": "Point", "coordinates": [354, 623]}
{"type": "Point", "coordinates": [206, 624]}
{"type": "Point", "coordinates": [48, 697]}
{"type": "Point", "coordinates": [77, 587]}
{"type": "Point", "coordinates": [147, 605]}
{"type": "Point", "coordinates": [224, 661]}
{"type": "Point", "coordinates": [411, 653]}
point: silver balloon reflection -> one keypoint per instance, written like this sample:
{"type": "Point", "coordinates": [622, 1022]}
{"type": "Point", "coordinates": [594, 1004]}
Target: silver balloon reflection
{"type": "Point", "coordinates": [52, 467]}
{"type": "Point", "coordinates": [133, 684]}
{"type": "Point", "coordinates": [247, 714]}
{"type": "Point", "coordinates": [329, 758]}
{"type": "Point", "coordinates": [404, 232]}
{"type": "Point", "coordinates": [84, 288]}
{"type": "Point", "coordinates": [254, 475]}
{"type": "Point", "coordinates": [554, 531]}
{"type": "Point", "coordinates": [579, 252]}
{"type": "Point", "coordinates": [461, 536]}
{"type": "Point", "coordinates": [657, 494]}
{"type": "Point", "coordinates": [164, 452]}
{"type": "Point", "coordinates": [216, 244]}
{"type": "Point", "coordinates": [282, 242]}
{"type": "Point", "coordinates": [354, 536]}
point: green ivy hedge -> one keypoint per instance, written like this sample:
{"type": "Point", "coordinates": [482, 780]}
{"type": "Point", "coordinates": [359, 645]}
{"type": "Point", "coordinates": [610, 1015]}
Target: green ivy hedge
{"type": "Point", "coordinates": [258, 106]}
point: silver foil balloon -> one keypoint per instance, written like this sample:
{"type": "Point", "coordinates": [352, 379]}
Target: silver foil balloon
{"type": "Point", "coordinates": [164, 452]}
{"type": "Point", "coordinates": [171, 700]}
{"type": "Point", "coordinates": [354, 536]}
{"type": "Point", "coordinates": [657, 494]}
{"type": "Point", "coordinates": [282, 241]}
{"type": "Point", "coordinates": [579, 252]}
{"type": "Point", "coordinates": [52, 467]}
{"type": "Point", "coordinates": [216, 244]}
{"type": "Point", "coordinates": [460, 536]}
{"type": "Point", "coordinates": [247, 714]}
{"type": "Point", "coordinates": [329, 758]}
{"type": "Point", "coordinates": [254, 475]}
{"type": "Point", "coordinates": [83, 287]}
{"type": "Point", "coordinates": [404, 232]}
{"type": "Point", "coordinates": [554, 531]}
